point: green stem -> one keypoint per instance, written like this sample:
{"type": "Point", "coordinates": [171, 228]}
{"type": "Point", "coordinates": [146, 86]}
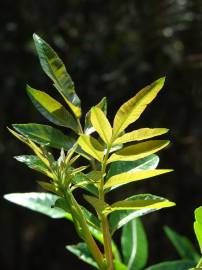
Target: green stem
{"type": "Point", "coordinates": [104, 221]}
{"type": "Point", "coordinates": [199, 263]}
{"type": "Point", "coordinates": [86, 235]}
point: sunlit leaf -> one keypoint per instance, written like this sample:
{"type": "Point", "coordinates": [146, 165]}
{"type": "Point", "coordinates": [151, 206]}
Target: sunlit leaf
{"type": "Point", "coordinates": [118, 219]}
{"type": "Point", "coordinates": [101, 124]}
{"type": "Point", "coordinates": [140, 134]}
{"type": "Point", "coordinates": [147, 163]}
{"type": "Point", "coordinates": [125, 178]}
{"type": "Point", "coordinates": [138, 151]}
{"type": "Point", "coordinates": [131, 110]}
{"type": "Point", "coordinates": [52, 109]}
{"type": "Point", "coordinates": [198, 225]}
{"type": "Point", "coordinates": [183, 245]}
{"type": "Point", "coordinates": [45, 135]}
{"type": "Point", "coordinates": [56, 71]}
{"type": "Point", "coordinates": [172, 265]}
{"type": "Point", "coordinates": [89, 129]}
{"type": "Point", "coordinates": [39, 202]}
{"type": "Point", "coordinates": [134, 245]}
{"type": "Point", "coordinates": [91, 146]}
{"type": "Point", "coordinates": [33, 162]}
{"type": "Point", "coordinates": [119, 265]}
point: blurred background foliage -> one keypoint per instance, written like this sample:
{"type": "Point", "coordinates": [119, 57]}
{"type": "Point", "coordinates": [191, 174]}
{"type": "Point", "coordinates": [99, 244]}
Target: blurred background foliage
{"type": "Point", "coordinates": [111, 48]}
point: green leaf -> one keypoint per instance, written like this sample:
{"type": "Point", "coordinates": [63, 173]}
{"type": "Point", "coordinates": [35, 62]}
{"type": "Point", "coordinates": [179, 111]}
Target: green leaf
{"type": "Point", "coordinates": [91, 146]}
{"type": "Point", "coordinates": [81, 251]}
{"type": "Point", "coordinates": [98, 204]}
{"type": "Point", "coordinates": [183, 245]}
{"type": "Point", "coordinates": [32, 162]}
{"type": "Point", "coordinates": [134, 245]}
{"type": "Point", "coordinates": [118, 219]}
{"type": "Point", "coordinates": [147, 163]}
{"type": "Point", "coordinates": [45, 135]}
{"type": "Point", "coordinates": [130, 111]}
{"type": "Point", "coordinates": [134, 204]}
{"type": "Point", "coordinates": [52, 109]}
{"type": "Point", "coordinates": [140, 134]}
{"type": "Point", "coordinates": [56, 71]}
{"type": "Point", "coordinates": [198, 225]}
{"type": "Point", "coordinates": [138, 151]}
{"type": "Point", "coordinates": [50, 187]}
{"type": "Point", "coordinates": [101, 124]}
{"type": "Point", "coordinates": [39, 202]}
{"type": "Point", "coordinates": [119, 265]}
{"type": "Point", "coordinates": [173, 265]}
{"type": "Point", "coordinates": [102, 105]}
{"type": "Point", "coordinates": [125, 178]}
{"type": "Point", "coordinates": [82, 181]}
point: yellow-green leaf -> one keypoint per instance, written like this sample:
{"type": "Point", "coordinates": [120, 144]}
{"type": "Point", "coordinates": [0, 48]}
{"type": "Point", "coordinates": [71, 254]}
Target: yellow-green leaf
{"type": "Point", "coordinates": [138, 151]}
{"type": "Point", "coordinates": [125, 178]}
{"type": "Point", "coordinates": [101, 124]}
{"type": "Point", "coordinates": [91, 146]}
{"type": "Point", "coordinates": [131, 110]}
{"type": "Point", "coordinates": [140, 134]}
{"type": "Point", "coordinates": [56, 71]}
{"type": "Point", "coordinates": [99, 205]}
{"type": "Point", "coordinates": [51, 109]}
{"type": "Point", "coordinates": [137, 204]}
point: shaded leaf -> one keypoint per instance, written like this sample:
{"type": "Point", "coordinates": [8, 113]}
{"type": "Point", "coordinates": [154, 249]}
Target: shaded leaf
{"type": "Point", "coordinates": [134, 245]}
{"type": "Point", "coordinates": [118, 219]}
{"type": "Point", "coordinates": [138, 151]}
{"type": "Point", "coordinates": [172, 265]}
{"type": "Point", "coordinates": [101, 124]}
{"type": "Point", "coordinates": [91, 146]}
{"type": "Point", "coordinates": [131, 110]}
{"type": "Point", "coordinates": [45, 135]}
{"type": "Point", "coordinates": [140, 134]}
{"type": "Point", "coordinates": [81, 251]}
{"type": "Point", "coordinates": [51, 109]}
{"type": "Point", "coordinates": [182, 244]}
{"type": "Point", "coordinates": [99, 205]}
{"type": "Point", "coordinates": [125, 178]}
{"type": "Point", "coordinates": [198, 225]}
{"type": "Point", "coordinates": [56, 71]}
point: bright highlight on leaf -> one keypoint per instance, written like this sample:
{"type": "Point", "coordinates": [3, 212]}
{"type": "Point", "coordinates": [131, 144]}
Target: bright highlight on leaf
{"type": "Point", "coordinates": [56, 71]}
{"type": "Point", "coordinates": [51, 109]}
{"type": "Point", "coordinates": [140, 134]}
{"type": "Point", "coordinates": [125, 178]}
{"type": "Point", "coordinates": [130, 111]}
{"type": "Point", "coordinates": [101, 124]}
{"type": "Point", "coordinates": [198, 225]}
{"type": "Point", "coordinates": [91, 146]}
{"type": "Point", "coordinates": [138, 151]}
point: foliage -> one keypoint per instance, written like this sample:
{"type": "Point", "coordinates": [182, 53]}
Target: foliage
{"type": "Point", "coordinates": [96, 163]}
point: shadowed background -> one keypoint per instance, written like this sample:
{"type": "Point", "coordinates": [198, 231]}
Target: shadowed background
{"type": "Point", "coordinates": [113, 49]}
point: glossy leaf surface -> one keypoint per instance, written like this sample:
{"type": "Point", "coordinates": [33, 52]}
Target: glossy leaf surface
{"type": "Point", "coordinates": [172, 265]}
{"type": "Point", "coordinates": [131, 110]}
{"type": "Point", "coordinates": [147, 163]}
{"type": "Point", "coordinates": [134, 245]}
{"type": "Point", "coordinates": [82, 252]}
{"type": "Point", "coordinates": [51, 109]}
{"type": "Point", "coordinates": [101, 124]}
{"type": "Point", "coordinates": [140, 134]}
{"type": "Point", "coordinates": [32, 162]}
{"type": "Point", "coordinates": [138, 151]}
{"type": "Point", "coordinates": [45, 135]}
{"type": "Point", "coordinates": [39, 202]}
{"type": "Point", "coordinates": [56, 71]}
{"type": "Point", "coordinates": [91, 146]}
{"type": "Point", "coordinates": [125, 178]}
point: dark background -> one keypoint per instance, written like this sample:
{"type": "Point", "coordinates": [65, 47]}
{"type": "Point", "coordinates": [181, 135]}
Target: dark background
{"type": "Point", "coordinates": [113, 49]}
